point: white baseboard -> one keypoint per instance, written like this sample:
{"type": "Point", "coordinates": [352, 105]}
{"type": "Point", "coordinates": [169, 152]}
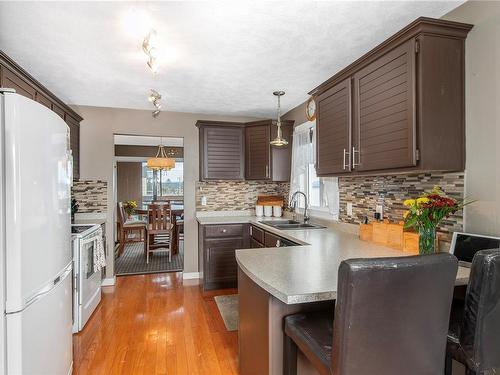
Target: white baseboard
{"type": "Point", "coordinates": [109, 281]}
{"type": "Point", "coordinates": [190, 275]}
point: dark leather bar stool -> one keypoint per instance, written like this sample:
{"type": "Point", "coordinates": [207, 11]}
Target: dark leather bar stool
{"type": "Point", "coordinates": [391, 318]}
{"type": "Point", "coordinates": [474, 334]}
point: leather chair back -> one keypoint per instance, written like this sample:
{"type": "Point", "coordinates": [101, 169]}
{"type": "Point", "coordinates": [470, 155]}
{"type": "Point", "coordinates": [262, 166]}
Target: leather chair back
{"type": "Point", "coordinates": [392, 315]}
{"type": "Point", "coordinates": [480, 331]}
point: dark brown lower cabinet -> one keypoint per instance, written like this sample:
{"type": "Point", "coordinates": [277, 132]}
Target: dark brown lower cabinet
{"type": "Point", "coordinates": [221, 261]}
{"type": "Point", "coordinates": [254, 244]}
{"type": "Point", "coordinates": [217, 247]}
{"type": "Point", "coordinates": [261, 238]}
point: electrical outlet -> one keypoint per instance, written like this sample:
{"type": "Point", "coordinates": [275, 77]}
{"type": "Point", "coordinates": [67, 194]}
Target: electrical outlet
{"type": "Point", "coordinates": [203, 201]}
{"type": "Point", "coordinates": [349, 208]}
{"type": "Point", "coordinates": [380, 210]}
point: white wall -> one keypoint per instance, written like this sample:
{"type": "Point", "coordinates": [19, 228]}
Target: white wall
{"type": "Point", "coordinates": [482, 114]}
{"type": "Point", "coordinates": [97, 158]}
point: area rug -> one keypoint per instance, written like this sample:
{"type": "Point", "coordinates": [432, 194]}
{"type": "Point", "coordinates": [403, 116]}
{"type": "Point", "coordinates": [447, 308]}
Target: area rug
{"type": "Point", "coordinates": [133, 261]}
{"type": "Point", "coordinates": [228, 308]}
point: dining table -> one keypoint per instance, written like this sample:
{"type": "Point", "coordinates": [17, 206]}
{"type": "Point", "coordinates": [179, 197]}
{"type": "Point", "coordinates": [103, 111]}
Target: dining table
{"type": "Point", "coordinates": [177, 210]}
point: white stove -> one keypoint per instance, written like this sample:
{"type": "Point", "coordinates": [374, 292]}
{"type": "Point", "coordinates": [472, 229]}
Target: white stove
{"type": "Point", "coordinates": [86, 281]}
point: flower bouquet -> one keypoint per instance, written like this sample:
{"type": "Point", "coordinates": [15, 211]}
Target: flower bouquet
{"type": "Point", "coordinates": [426, 212]}
{"type": "Point", "coordinates": [129, 207]}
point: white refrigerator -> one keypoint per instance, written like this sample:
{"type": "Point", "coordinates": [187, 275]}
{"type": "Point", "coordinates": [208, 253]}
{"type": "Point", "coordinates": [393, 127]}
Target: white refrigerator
{"type": "Point", "coordinates": [35, 233]}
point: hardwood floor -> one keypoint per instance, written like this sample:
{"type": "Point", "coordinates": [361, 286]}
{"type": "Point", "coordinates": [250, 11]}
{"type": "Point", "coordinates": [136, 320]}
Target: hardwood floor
{"type": "Point", "coordinates": [156, 324]}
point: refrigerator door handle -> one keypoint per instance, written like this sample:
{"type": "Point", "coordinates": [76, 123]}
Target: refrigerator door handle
{"type": "Point", "coordinates": [46, 289]}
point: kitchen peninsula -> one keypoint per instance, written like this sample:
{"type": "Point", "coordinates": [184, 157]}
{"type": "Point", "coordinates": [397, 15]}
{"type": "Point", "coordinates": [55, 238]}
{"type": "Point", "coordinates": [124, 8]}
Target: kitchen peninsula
{"type": "Point", "coordinates": [274, 282]}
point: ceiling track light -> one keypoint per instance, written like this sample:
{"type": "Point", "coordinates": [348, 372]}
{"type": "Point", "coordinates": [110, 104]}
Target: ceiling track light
{"type": "Point", "coordinates": [155, 97]}
{"type": "Point", "coordinates": [149, 45]}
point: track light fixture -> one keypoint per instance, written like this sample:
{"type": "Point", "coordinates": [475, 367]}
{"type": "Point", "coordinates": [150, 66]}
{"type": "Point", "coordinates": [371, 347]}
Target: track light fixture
{"type": "Point", "coordinates": [149, 46]}
{"type": "Point", "coordinates": [155, 97]}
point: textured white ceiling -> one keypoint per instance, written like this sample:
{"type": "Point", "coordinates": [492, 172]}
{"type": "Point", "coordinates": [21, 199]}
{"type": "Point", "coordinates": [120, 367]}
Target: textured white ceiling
{"type": "Point", "coordinates": [216, 57]}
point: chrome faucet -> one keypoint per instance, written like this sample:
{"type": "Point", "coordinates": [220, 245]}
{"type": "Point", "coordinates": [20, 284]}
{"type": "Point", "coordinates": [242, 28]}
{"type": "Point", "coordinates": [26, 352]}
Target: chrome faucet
{"type": "Point", "coordinates": [293, 204]}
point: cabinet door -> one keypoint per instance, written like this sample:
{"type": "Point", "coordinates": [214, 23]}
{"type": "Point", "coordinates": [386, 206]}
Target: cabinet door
{"type": "Point", "coordinates": [43, 100]}
{"type": "Point", "coordinates": [74, 134]}
{"type": "Point", "coordinates": [13, 81]}
{"type": "Point", "coordinates": [254, 244]}
{"type": "Point", "coordinates": [257, 234]}
{"type": "Point", "coordinates": [223, 155]}
{"type": "Point", "coordinates": [58, 110]}
{"type": "Point", "coordinates": [333, 130]}
{"type": "Point", "coordinates": [271, 240]}
{"type": "Point", "coordinates": [384, 106]}
{"type": "Point", "coordinates": [221, 266]}
{"type": "Point", "coordinates": [281, 159]}
{"type": "Point", "coordinates": [257, 152]}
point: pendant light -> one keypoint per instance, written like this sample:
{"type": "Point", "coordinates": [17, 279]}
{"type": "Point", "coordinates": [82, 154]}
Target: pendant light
{"type": "Point", "coordinates": [161, 161]}
{"type": "Point", "coordinates": [279, 141]}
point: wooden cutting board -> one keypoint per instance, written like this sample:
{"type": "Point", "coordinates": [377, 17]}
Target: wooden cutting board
{"type": "Point", "coordinates": [270, 200]}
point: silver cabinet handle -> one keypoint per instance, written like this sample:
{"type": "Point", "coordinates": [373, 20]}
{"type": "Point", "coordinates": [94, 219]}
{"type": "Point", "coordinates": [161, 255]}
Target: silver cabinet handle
{"type": "Point", "coordinates": [267, 170]}
{"type": "Point", "coordinates": [224, 230]}
{"type": "Point", "coordinates": [354, 152]}
{"type": "Point", "coordinates": [278, 243]}
{"type": "Point", "coordinates": [345, 165]}
{"type": "Point", "coordinates": [251, 230]}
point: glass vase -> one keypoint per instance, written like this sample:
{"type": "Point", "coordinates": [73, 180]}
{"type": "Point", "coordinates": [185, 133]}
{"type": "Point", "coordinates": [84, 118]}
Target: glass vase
{"type": "Point", "coordinates": [427, 240]}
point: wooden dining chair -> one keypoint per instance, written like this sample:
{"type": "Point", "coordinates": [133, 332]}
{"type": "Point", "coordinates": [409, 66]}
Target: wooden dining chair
{"type": "Point", "coordinates": [159, 230]}
{"type": "Point", "coordinates": [128, 227]}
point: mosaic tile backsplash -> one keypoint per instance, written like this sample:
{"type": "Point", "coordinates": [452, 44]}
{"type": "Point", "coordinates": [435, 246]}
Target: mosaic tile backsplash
{"type": "Point", "coordinates": [92, 196]}
{"type": "Point", "coordinates": [364, 193]}
{"type": "Point", "coordinates": [236, 195]}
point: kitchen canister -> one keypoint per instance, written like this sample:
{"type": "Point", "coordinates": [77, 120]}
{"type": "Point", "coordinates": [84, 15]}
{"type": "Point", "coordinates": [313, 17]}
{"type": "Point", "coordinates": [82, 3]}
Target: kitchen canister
{"type": "Point", "coordinates": [268, 211]}
{"type": "Point", "coordinates": [277, 212]}
{"type": "Point", "coordinates": [259, 210]}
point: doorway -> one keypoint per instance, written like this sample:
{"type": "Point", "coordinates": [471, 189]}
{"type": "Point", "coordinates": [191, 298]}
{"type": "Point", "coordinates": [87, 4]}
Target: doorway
{"type": "Point", "coordinates": [142, 190]}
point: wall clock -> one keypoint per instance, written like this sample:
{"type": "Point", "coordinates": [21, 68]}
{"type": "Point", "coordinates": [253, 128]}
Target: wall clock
{"type": "Point", "coordinates": [311, 109]}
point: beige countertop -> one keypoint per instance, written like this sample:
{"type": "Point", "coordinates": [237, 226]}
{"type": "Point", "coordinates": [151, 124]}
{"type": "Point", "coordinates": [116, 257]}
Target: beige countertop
{"type": "Point", "coordinates": [307, 273]}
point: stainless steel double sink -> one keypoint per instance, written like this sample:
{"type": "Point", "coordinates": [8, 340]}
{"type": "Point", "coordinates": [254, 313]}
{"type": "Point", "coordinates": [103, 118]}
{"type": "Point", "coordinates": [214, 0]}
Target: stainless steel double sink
{"type": "Point", "coordinates": [290, 224]}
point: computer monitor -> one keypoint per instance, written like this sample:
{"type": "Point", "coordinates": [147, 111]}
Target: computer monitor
{"type": "Point", "coordinates": [465, 245]}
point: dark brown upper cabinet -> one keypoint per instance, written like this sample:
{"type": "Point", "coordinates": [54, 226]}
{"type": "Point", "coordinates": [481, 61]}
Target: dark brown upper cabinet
{"type": "Point", "coordinates": [257, 152]}
{"type": "Point", "coordinates": [384, 112]}
{"type": "Point", "coordinates": [263, 161]}
{"type": "Point", "coordinates": [333, 111]}
{"type": "Point", "coordinates": [74, 131]}
{"type": "Point", "coordinates": [399, 108]}
{"type": "Point", "coordinates": [43, 100]}
{"type": "Point", "coordinates": [14, 77]}
{"type": "Point", "coordinates": [14, 81]}
{"type": "Point", "coordinates": [222, 155]}
{"type": "Point", "coordinates": [239, 151]}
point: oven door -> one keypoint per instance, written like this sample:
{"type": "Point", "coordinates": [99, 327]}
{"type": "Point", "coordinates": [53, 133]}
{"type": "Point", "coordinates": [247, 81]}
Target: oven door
{"type": "Point", "coordinates": [90, 280]}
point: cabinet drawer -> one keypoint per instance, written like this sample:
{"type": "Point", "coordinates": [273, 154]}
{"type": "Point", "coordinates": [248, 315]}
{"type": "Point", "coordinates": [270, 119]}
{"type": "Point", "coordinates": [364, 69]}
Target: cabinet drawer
{"type": "Point", "coordinates": [271, 240]}
{"type": "Point", "coordinates": [257, 234]}
{"type": "Point", "coordinates": [231, 230]}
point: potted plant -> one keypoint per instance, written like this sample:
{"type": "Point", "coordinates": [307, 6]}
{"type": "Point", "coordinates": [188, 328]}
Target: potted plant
{"type": "Point", "coordinates": [426, 212]}
{"type": "Point", "coordinates": [129, 207]}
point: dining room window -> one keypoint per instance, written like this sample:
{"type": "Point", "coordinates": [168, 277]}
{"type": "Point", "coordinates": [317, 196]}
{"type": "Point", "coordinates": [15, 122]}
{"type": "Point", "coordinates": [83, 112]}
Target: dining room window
{"type": "Point", "coordinates": [170, 183]}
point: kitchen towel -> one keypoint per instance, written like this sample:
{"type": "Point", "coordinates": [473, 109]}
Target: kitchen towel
{"type": "Point", "coordinates": [99, 255]}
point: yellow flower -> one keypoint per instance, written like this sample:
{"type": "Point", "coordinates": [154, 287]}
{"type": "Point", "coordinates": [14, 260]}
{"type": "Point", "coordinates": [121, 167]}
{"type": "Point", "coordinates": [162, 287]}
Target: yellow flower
{"type": "Point", "coordinates": [405, 214]}
{"type": "Point", "coordinates": [409, 202]}
{"type": "Point", "coordinates": [422, 200]}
